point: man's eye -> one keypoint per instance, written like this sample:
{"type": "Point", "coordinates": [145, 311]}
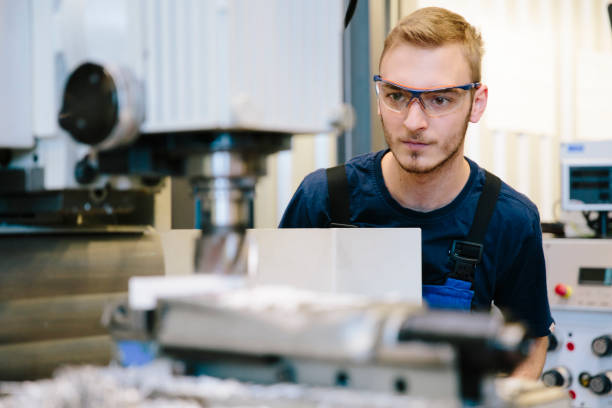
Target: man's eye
{"type": "Point", "coordinates": [441, 100]}
{"type": "Point", "coordinates": [396, 96]}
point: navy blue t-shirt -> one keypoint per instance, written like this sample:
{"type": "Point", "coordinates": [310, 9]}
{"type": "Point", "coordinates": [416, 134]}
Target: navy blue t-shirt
{"type": "Point", "coordinates": [512, 272]}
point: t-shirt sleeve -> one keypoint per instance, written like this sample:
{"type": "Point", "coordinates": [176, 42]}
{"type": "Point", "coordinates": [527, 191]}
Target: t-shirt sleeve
{"type": "Point", "coordinates": [522, 293]}
{"type": "Point", "coordinates": [308, 207]}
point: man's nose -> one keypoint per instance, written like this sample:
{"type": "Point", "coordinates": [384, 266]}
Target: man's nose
{"type": "Point", "coordinates": [416, 118]}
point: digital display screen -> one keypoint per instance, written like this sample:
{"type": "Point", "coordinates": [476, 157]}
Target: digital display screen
{"type": "Point", "coordinates": [590, 184]}
{"type": "Point", "coordinates": [595, 276]}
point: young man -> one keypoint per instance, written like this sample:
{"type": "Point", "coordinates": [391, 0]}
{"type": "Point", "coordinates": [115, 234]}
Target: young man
{"type": "Point", "coordinates": [428, 91]}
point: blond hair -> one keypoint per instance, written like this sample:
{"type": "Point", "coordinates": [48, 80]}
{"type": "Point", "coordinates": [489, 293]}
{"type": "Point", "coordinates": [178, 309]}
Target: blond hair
{"type": "Point", "coordinates": [432, 27]}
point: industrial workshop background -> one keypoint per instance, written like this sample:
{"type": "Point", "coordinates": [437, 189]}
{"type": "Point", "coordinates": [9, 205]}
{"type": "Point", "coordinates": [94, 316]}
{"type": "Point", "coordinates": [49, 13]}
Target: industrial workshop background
{"type": "Point", "coordinates": [544, 63]}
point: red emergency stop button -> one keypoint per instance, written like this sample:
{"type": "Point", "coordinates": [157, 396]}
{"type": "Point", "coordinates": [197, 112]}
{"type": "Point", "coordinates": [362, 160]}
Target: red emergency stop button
{"type": "Point", "coordinates": [563, 290]}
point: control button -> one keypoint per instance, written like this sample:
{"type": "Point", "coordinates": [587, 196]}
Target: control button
{"type": "Point", "coordinates": [553, 343]}
{"type": "Point", "coordinates": [572, 394]}
{"type": "Point", "coordinates": [557, 377]}
{"type": "Point", "coordinates": [565, 291]}
{"type": "Point", "coordinates": [601, 384]}
{"type": "Point", "coordinates": [602, 346]}
{"type": "Point", "coordinates": [570, 346]}
{"type": "Point", "coordinates": [584, 379]}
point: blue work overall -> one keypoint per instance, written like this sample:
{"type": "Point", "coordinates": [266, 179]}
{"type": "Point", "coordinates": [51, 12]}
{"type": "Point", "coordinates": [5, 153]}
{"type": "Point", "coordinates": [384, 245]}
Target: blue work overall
{"type": "Point", "coordinates": [456, 292]}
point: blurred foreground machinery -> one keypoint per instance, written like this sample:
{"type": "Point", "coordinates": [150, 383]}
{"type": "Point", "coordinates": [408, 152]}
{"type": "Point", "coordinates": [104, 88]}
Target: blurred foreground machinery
{"type": "Point", "coordinates": [280, 347]}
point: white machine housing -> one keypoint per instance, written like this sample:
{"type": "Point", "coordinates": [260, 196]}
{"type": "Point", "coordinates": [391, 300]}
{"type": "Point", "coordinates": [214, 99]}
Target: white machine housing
{"type": "Point", "coordinates": [270, 65]}
{"type": "Point", "coordinates": [340, 260]}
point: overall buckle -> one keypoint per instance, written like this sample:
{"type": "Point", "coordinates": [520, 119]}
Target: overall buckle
{"type": "Point", "coordinates": [466, 252]}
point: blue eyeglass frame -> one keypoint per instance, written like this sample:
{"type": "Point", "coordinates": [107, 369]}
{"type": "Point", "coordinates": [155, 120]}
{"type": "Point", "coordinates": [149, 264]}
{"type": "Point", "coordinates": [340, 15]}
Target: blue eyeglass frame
{"type": "Point", "coordinates": [416, 93]}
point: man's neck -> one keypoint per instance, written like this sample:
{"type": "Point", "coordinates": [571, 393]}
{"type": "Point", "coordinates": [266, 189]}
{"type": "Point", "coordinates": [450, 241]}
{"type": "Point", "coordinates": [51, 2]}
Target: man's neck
{"type": "Point", "coordinates": [429, 191]}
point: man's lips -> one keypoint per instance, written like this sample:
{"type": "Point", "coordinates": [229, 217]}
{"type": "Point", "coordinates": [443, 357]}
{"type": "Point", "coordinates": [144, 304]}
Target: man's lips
{"type": "Point", "coordinates": [413, 144]}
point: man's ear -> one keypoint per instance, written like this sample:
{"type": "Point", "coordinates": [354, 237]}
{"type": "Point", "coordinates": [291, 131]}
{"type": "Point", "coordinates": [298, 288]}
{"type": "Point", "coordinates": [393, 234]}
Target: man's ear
{"type": "Point", "coordinates": [479, 103]}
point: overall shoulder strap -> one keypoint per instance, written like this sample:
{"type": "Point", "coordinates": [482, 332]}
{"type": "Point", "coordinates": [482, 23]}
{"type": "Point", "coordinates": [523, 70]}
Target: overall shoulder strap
{"type": "Point", "coordinates": [468, 253]}
{"type": "Point", "coordinates": [485, 208]}
{"type": "Point", "coordinates": [338, 191]}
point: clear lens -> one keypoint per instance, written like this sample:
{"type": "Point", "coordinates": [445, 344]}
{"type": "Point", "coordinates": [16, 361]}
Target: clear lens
{"type": "Point", "coordinates": [443, 102]}
{"type": "Point", "coordinates": [434, 103]}
{"type": "Point", "coordinates": [394, 98]}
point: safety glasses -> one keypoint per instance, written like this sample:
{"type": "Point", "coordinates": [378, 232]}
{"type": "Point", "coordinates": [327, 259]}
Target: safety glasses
{"type": "Point", "coordinates": [435, 102]}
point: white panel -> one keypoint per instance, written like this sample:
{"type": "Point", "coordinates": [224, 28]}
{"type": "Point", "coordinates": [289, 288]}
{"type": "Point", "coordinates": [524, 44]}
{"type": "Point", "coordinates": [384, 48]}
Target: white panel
{"type": "Point", "coordinates": [136, 32]}
{"type": "Point", "coordinates": [150, 72]}
{"type": "Point", "coordinates": [269, 65]}
{"type": "Point", "coordinates": [593, 90]}
{"type": "Point", "coordinates": [548, 148]}
{"type": "Point", "coordinates": [567, 81]}
{"type": "Point", "coordinates": [341, 260]}
{"type": "Point", "coordinates": [102, 36]}
{"type": "Point", "coordinates": [167, 60]}
{"type": "Point", "coordinates": [45, 84]}
{"type": "Point", "coordinates": [210, 44]}
{"type": "Point", "coordinates": [587, 25]}
{"type": "Point", "coordinates": [520, 63]}
{"type": "Point", "coordinates": [184, 51]}
{"type": "Point", "coordinates": [499, 154]}
{"type": "Point", "coordinates": [523, 14]}
{"type": "Point", "coordinates": [545, 163]}
{"type": "Point", "coordinates": [15, 69]}
{"type": "Point", "coordinates": [523, 165]}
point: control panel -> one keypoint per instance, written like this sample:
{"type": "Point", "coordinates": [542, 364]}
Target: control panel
{"type": "Point", "coordinates": [579, 279]}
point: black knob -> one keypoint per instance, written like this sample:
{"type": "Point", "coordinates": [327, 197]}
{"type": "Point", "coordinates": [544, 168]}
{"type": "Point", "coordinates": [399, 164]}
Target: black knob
{"type": "Point", "coordinates": [90, 108]}
{"type": "Point", "coordinates": [6, 156]}
{"type": "Point", "coordinates": [553, 343]}
{"type": "Point", "coordinates": [601, 384]}
{"type": "Point", "coordinates": [602, 346]}
{"type": "Point", "coordinates": [85, 172]}
{"type": "Point", "coordinates": [557, 377]}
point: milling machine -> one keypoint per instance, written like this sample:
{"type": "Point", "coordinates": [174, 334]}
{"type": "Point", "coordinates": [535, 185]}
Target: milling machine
{"type": "Point", "coordinates": [105, 99]}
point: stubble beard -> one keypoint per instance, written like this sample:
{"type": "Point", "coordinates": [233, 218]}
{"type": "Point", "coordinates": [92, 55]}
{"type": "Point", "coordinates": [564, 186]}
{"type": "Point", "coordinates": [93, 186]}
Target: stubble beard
{"type": "Point", "coordinates": [453, 151]}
